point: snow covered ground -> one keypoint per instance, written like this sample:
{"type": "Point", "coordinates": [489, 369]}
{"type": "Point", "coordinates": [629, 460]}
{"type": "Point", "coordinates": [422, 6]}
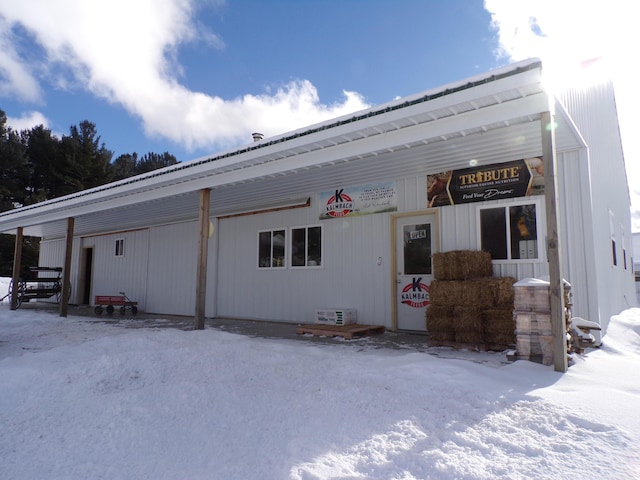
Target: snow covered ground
{"type": "Point", "coordinates": [86, 400]}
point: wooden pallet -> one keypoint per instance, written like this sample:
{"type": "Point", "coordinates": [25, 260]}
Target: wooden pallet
{"type": "Point", "coordinates": [346, 331]}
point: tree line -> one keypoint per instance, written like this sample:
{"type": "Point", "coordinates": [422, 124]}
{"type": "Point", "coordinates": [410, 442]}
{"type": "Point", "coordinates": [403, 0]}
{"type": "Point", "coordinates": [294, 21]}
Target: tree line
{"type": "Point", "coordinates": [36, 165]}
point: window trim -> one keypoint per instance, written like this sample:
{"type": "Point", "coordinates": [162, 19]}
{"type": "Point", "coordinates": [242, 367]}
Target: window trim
{"type": "Point", "coordinates": [306, 229]}
{"type": "Point", "coordinates": [541, 228]}
{"type": "Point", "coordinates": [624, 247]}
{"type": "Point", "coordinates": [612, 234]}
{"type": "Point", "coordinates": [119, 250]}
{"type": "Point", "coordinates": [285, 254]}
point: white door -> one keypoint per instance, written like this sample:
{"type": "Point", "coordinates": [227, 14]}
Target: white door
{"type": "Point", "coordinates": [416, 240]}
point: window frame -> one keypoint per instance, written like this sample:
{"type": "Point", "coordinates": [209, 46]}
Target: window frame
{"type": "Point", "coordinates": [119, 250]}
{"type": "Point", "coordinates": [612, 234]}
{"type": "Point", "coordinates": [306, 256]}
{"type": "Point", "coordinates": [541, 227]}
{"type": "Point", "coordinates": [271, 267]}
{"type": "Point", "coordinates": [624, 247]}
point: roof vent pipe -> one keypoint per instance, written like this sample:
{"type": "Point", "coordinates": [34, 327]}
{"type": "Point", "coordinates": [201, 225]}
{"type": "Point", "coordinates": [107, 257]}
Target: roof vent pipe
{"type": "Point", "coordinates": [257, 136]}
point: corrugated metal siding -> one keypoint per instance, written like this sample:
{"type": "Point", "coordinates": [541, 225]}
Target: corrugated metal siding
{"type": "Point", "coordinates": [576, 225]}
{"type": "Point", "coordinates": [350, 277]}
{"type": "Point", "coordinates": [594, 113]}
{"type": "Point", "coordinates": [52, 253]}
{"type": "Point", "coordinates": [171, 283]}
{"type": "Point", "coordinates": [128, 274]}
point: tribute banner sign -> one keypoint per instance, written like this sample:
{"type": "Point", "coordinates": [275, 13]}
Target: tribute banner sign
{"type": "Point", "coordinates": [518, 178]}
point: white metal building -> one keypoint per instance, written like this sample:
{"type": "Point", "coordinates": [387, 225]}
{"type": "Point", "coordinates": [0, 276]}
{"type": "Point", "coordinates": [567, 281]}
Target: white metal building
{"type": "Point", "coordinates": [636, 263]}
{"type": "Point", "coordinates": [346, 213]}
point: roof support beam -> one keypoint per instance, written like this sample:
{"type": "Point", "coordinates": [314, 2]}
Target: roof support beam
{"type": "Point", "coordinates": [203, 250]}
{"type": "Point", "coordinates": [17, 267]}
{"type": "Point", "coordinates": [554, 252]}
{"type": "Point", "coordinates": [66, 270]}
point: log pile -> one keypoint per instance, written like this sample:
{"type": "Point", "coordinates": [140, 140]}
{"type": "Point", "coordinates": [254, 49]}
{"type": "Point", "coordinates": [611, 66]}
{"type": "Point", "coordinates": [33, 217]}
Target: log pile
{"type": "Point", "coordinates": [469, 307]}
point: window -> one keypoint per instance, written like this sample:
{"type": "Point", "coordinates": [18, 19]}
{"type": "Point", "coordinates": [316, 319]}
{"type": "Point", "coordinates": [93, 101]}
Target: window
{"type": "Point", "coordinates": [120, 247]}
{"type": "Point", "coordinates": [306, 247]}
{"type": "Point", "coordinates": [510, 232]}
{"type": "Point", "coordinates": [271, 249]}
{"type": "Point", "coordinates": [624, 248]}
{"type": "Point", "coordinates": [612, 231]}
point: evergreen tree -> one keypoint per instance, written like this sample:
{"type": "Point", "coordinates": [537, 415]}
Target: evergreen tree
{"type": "Point", "coordinates": [125, 166]}
{"type": "Point", "coordinates": [87, 162]}
{"type": "Point", "coordinates": [14, 189]}
{"type": "Point", "coordinates": [128, 165]}
{"type": "Point", "coordinates": [47, 169]}
{"type": "Point", "coordinates": [154, 161]}
{"type": "Point", "coordinates": [36, 166]}
{"type": "Point", "coordinates": [14, 172]}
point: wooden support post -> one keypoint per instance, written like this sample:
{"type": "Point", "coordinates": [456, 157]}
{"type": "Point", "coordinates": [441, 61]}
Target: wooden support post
{"type": "Point", "coordinates": [17, 268]}
{"type": "Point", "coordinates": [66, 270]}
{"type": "Point", "coordinates": [203, 250]}
{"type": "Point", "coordinates": [554, 252]}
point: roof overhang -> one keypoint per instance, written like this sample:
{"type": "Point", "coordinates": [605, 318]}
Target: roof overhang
{"type": "Point", "coordinates": [489, 119]}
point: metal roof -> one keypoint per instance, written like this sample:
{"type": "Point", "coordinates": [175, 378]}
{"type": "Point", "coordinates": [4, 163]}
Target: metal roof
{"type": "Point", "coordinates": [488, 118]}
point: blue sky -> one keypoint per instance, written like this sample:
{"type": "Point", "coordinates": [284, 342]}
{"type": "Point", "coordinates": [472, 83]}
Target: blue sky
{"type": "Point", "coordinates": [196, 77]}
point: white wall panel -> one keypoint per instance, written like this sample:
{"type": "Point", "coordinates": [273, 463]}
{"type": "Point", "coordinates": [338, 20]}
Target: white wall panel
{"type": "Point", "coordinates": [171, 284]}
{"type": "Point", "coordinates": [128, 273]}
{"type": "Point", "coordinates": [52, 253]}
{"type": "Point", "coordinates": [594, 112]}
{"type": "Point", "coordinates": [349, 278]}
{"type": "Point", "coordinates": [577, 245]}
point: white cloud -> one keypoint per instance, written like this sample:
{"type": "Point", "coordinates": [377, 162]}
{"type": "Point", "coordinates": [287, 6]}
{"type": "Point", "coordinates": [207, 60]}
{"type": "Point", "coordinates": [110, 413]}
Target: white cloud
{"type": "Point", "coordinates": [564, 33]}
{"type": "Point", "coordinates": [130, 59]}
{"type": "Point", "coordinates": [15, 77]}
{"type": "Point", "coordinates": [27, 121]}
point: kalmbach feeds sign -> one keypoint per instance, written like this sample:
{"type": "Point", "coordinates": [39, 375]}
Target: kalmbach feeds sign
{"type": "Point", "coordinates": [518, 178]}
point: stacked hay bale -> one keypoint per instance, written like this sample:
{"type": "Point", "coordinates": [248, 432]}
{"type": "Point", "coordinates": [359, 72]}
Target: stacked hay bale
{"type": "Point", "coordinates": [469, 306]}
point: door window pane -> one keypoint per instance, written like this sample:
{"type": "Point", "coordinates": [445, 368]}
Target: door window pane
{"type": "Point", "coordinates": [417, 249]}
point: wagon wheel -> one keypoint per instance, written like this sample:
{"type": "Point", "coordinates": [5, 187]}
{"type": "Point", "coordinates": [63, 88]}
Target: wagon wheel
{"type": "Point", "coordinates": [98, 310]}
{"type": "Point", "coordinates": [19, 296]}
{"type": "Point", "coordinates": [134, 309]}
{"type": "Point", "coordinates": [122, 311]}
{"type": "Point", "coordinates": [110, 309]}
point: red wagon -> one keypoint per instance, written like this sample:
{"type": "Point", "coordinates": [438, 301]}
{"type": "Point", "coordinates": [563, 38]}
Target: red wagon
{"type": "Point", "coordinates": [109, 303]}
